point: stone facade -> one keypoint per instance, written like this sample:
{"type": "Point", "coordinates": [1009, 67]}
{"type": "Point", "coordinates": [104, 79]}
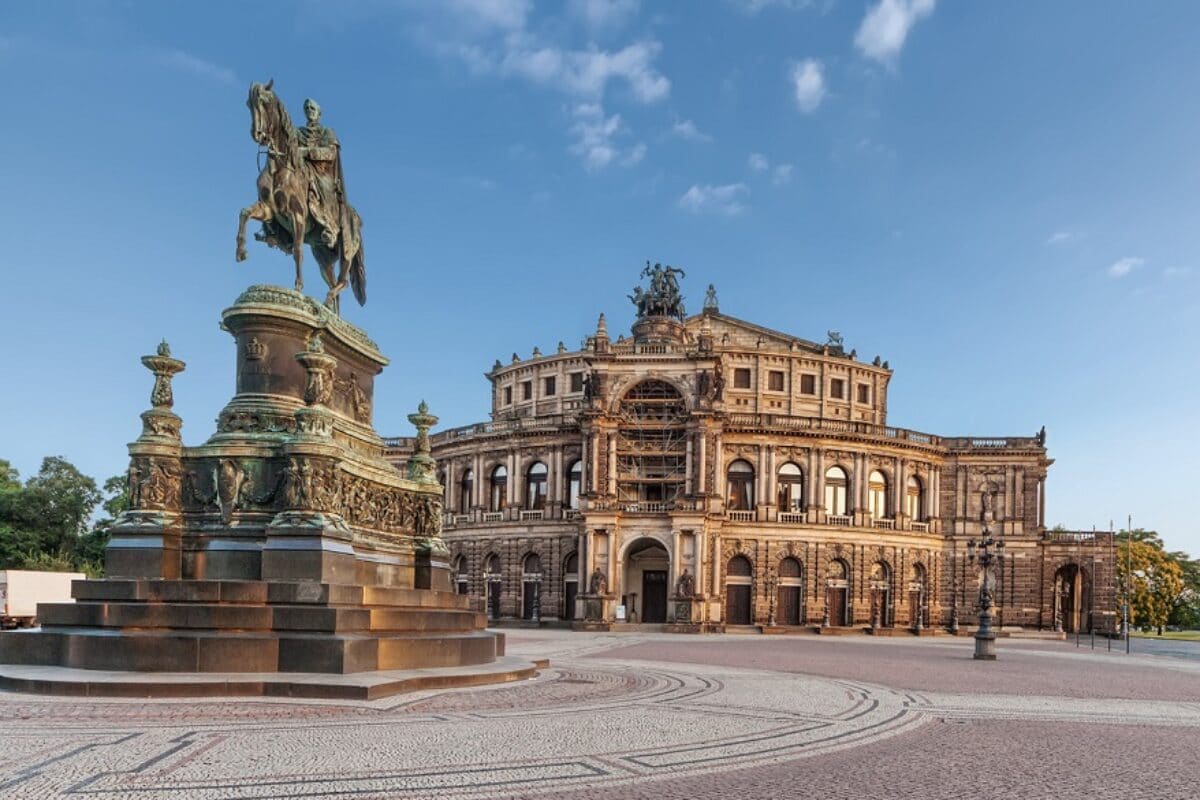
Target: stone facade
{"type": "Point", "coordinates": [710, 472]}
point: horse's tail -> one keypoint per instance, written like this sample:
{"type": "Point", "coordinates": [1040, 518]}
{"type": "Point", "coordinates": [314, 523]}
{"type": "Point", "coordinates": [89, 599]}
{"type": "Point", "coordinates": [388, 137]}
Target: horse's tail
{"type": "Point", "coordinates": [358, 276]}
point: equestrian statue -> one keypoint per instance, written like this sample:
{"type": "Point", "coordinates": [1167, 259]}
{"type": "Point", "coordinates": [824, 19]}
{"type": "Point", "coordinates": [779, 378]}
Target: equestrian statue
{"type": "Point", "coordinates": [302, 195]}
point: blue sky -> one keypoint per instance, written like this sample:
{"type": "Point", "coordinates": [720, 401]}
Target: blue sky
{"type": "Point", "coordinates": [998, 198]}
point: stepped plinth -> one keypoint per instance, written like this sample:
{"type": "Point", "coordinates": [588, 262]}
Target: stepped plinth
{"type": "Point", "coordinates": [286, 543]}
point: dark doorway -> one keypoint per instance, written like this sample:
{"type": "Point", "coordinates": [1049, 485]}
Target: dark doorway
{"type": "Point", "coordinates": [527, 599]}
{"type": "Point", "coordinates": [789, 605]}
{"type": "Point", "coordinates": [570, 589]}
{"type": "Point", "coordinates": [738, 604]}
{"type": "Point", "coordinates": [654, 595]}
{"type": "Point", "coordinates": [837, 606]}
{"type": "Point", "coordinates": [494, 598]}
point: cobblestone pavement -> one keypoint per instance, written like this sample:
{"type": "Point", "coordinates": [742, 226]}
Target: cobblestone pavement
{"type": "Point", "coordinates": [655, 716]}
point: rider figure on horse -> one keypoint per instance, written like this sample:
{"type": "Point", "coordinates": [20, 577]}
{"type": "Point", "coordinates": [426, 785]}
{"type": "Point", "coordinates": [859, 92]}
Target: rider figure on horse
{"type": "Point", "coordinates": [319, 146]}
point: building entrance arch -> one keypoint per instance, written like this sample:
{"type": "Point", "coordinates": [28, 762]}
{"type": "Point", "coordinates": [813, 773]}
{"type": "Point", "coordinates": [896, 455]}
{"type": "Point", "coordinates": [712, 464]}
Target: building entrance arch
{"type": "Point", "coordinates": [1072, 597]}
{"type": "Point", "coordinates": [644, 588]}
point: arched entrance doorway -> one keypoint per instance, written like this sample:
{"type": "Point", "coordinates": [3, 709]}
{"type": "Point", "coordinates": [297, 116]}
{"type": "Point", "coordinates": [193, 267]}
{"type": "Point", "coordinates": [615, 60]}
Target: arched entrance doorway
{"type": "Point", "coordinates": [791, 593]}
{"type": "Point", "coordinates": [738, 580]}
{"type": "Point", "coordinates": [881, 595]}
{"type": "Point", "coordinates": [917, 594]}
{"type": "Point", "coordinates": [1073, 595]}
{"type": "Point", "coordinates": [837, 593]}
{"type": "Point", "coordinates": [570, 585]}
{"type": "Point", "coordinates": [645, 589]}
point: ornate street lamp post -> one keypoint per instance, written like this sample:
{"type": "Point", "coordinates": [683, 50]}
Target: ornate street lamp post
{"type": "Point", "coordinates": [537, 598]}
{"type": "Point", "coordinates": [985, 637]}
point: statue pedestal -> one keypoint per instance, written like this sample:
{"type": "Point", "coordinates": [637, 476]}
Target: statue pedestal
{"type": "Point", "coordinates": [686, 615]}
{"type": "Point", "coordinates": [285, 543]}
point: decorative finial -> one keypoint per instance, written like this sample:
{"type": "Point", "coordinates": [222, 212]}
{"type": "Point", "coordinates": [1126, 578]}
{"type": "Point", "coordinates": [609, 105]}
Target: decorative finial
{"type": "Point", "coordinates": [160, 422]}
{"type": "Point", "coordinates": [516, 359]}
{"type": "Point", "coordinates": [601, 327]}
{"type": "Point", "coordinates": [164, 349]}
{"type": "Point", "coordinates": [497, 365]}
{"type": "Point", "coordinates": [835, 339]}
{"type": "Point", "coordinates": [422, 466]}
{"type": "Point", "coordinates": [710, 299]}
{"type": "Point", "coordinates": [562, 348]}
{"type": "Point", "coordinates": [537, 353]}
{"type": "Point", "coordinates": [315, 345]}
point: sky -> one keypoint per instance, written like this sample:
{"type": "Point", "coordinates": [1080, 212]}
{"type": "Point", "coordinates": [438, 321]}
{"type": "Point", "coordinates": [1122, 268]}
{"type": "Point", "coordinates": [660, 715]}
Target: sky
{"type": "Point", "coordinates": [998, 198]}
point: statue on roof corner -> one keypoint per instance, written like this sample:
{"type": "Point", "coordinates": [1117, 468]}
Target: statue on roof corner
{"type": "Point", "coordinates": [302, 195]}
{"type": "Point", "coordinates": [663, 298]}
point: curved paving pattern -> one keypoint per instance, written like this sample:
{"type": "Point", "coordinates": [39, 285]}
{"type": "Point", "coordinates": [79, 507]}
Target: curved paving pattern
{"type": "Point", "coordinates": [592, 723]}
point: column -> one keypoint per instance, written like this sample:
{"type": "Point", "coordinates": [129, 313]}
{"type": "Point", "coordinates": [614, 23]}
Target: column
{"type": "Point", "coordinates": [612, 463]}
{"type": "Point", "coordinates": [451, 489]}
{"type": "Point", "coordinates": [703, 461]}
{"type": "Point", "coordinates": [510, 488]}
{"type": "Point", "coordinates": [688, 488]}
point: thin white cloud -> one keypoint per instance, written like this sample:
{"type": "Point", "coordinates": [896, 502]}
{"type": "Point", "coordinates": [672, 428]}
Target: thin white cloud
{"type": "Point", "coordinates": [604, 14]}
{"type": "Point", "coordinates": [587, 72]}
{"type": "Point", "coordinates": [808, 84]}
{"type": "Point", "coordinates": [726, 200]}
{"type": "Point", "coordinates": [1124, 266]}
{"type": "Point", "coordinates": [753, 7]}
{"type": "Point", "coordinates": [1171, 273]}
{"type": "Point", "coordinates": [596, 139]}
{"type": "Point", "coordinates": [885, 28]}
{"type": "Point", "coordinates": [482, 15]}
{"type": "Point", "coordinates": [186, 62]}
{"type": "Point", "coordinates": [758, 162]}
{"type": "Point", "coordinates": [781, 174]}
{"type": "Point", "coordinates": [1061, 237]}
{"type": "Point", "coordinates": [686, 129]}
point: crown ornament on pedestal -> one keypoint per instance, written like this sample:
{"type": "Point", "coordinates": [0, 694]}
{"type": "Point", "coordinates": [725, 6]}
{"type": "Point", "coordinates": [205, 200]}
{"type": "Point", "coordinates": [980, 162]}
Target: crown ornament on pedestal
{"type": "Point", "coordinates": [422, 466]}
{"type": "Point", "coordinates": [160, 421]}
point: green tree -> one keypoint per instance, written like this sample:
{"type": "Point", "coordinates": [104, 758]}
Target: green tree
{"type": "Point", "coordinates": [1149, 577]}
{"type": "Point", "coordinates": [44, 522]}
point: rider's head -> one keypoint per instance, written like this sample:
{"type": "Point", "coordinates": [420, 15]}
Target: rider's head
{"type": "Point", "coordinates": [312, 110]}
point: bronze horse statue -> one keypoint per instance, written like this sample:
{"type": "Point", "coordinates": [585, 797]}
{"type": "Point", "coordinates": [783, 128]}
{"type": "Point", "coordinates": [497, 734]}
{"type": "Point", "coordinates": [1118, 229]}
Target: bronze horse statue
{"type": "Point", "coordinates": [287, 194]}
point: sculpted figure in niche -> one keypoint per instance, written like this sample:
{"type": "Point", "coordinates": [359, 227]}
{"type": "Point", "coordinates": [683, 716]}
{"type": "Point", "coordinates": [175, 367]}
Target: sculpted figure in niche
{"type": "Point", "coordinates": [598, 584]}
{"type": "Point", "coordinates": [687, 584]}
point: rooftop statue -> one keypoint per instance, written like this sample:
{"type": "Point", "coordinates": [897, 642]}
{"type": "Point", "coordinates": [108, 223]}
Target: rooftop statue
{"type": "Point", "coordinates": [302, 195]}
{"type": "Point", "coordinates": [663, 298]}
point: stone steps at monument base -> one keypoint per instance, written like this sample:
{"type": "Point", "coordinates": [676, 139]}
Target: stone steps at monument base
{"type": "Point", "coordinates": [246, 617]}
{"type": "Point", "coordinates": [272, 592]}
{"type": "Point", "coordinates": [236, 651]}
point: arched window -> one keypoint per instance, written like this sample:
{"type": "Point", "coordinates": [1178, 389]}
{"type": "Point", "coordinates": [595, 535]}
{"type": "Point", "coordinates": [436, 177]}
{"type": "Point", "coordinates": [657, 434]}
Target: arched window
{"type": "Point", "coordinates": [499, 489]}
{"type": "Point", "coordinates": [535, 486]}
{"type": "Point", "coordinates": [914, 499]}
{"type": "Point", "coordinates": [740, 479]}
{"type": "Point", "coordinates": [789, 568]}
{"type": "Point", "coordinates": [574, 484]}
{"type": "Point", "coordinates": [441, 478]}
{"type": "Point", "coordinates": [877, 495]}
{"type": "Point", "coordinates": [835, 491]}
{"type": "Point", "coordinates": [532, 564]}
{"type": "Point", "coordinates": [466, 487]}
{"type": "Point", "coordinates": [570, 585]}
{"type": "Point", "coordinates": [790, 488]}
{"type": "Point", "coordinates": [739, 567]}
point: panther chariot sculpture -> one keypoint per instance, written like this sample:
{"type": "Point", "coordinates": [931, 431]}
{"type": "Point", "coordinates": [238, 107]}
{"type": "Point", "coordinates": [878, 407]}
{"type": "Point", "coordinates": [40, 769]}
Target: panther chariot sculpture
{"type": "Point", "coordinates": [302, 195]}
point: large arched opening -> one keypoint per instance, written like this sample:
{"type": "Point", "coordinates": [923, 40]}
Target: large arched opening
{"type": "Point", "coordinates": [644, 593]}
{"type": "Point", "coordinates": [791, 592]}
{"type": "Point", "coordinates": [1072, 593]}
{"type": "Point", "coordinates": [739, 580]}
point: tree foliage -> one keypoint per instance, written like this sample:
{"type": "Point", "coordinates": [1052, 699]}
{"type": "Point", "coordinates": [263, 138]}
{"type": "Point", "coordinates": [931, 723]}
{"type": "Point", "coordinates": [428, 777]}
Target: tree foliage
{"type": "Point", "coordinates": [46, 523]}
{"type": "Point", "coordinates": [1161, 587]}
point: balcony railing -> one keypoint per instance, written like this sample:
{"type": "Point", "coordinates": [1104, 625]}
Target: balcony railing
{"type": "Point", "coordinates": [741, 516]}
{"type": "Point", "coordinates": [532, 515]}
{"type": "Point", "coordinates": [886, 524]}
{"type": "Point", "coordinates": [793, 517]}
{"type": "Point", "coordinates": [923, 527]}
{"type": "Point", "coordinates": [493, 516]}
{"type": "Point", "coordinates": [839, 520]}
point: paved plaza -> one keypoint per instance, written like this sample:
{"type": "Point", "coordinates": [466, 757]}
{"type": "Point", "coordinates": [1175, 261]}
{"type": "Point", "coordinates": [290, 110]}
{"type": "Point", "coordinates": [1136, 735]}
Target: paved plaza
{"type": "Point", "coordinates": [657, 716]}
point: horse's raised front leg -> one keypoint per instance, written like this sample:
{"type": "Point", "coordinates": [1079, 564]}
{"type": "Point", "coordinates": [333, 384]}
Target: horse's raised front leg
{"type": "Point", "coordinates": [258, 211]}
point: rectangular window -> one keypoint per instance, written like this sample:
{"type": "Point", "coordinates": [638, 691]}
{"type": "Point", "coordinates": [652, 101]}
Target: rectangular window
{"type": "Point", "coordinates": [864, 393]}
{"type": "Point", "coordinates": [576, 381]}
{"type": "Point", "coordinates": [837, 389]}
{"type": "Point", "coordinates": [775, 381]}
{"type": "Point", "coordinates": [526, 390]}
{"type": "Point", "coordinates": [550, 387]}
{"type": "Point", "coordinates": [508, 395]}
{"type": "Point", "coordinates": [741, 378]}
{"type": "Point", "coordinates": [808, 384]}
